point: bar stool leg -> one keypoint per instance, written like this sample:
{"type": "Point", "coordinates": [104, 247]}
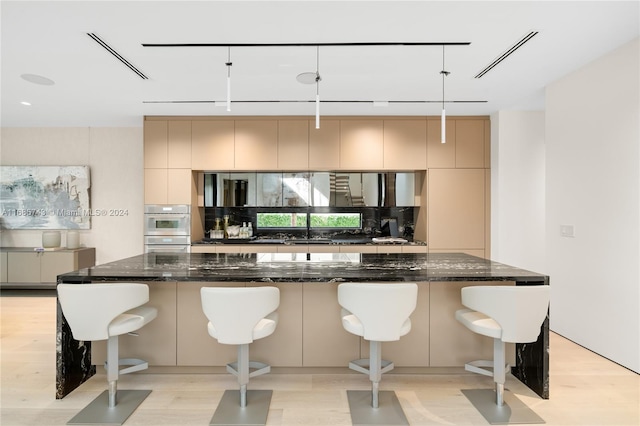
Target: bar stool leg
{"type": "Point", "coordinates": [243, 372]}
{"type": "Point", "coordinates": [375, 367]}
{"type": "Point", "coordinates": [112, 369]}
{"type": "Point", "coordinates": [499, 370]}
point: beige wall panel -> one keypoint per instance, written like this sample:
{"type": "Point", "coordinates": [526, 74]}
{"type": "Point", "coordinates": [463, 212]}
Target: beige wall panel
{"type": "Point", "coordinates": [456, 209]}
{"type": "Point", "coordinates": [156, 341]}
{"type": "Point", "coordinates": [470, 143]}
{"type": "Point", "coordinates": [361, 144]}
{"type": "Point", "coordinates": [179, 145]}
{"type": "Point", "coordinates": [298, 248]}
{"type": "Point", "coordinates": [259, 248]}
{"type": "Point", "coordinates": [324, 145]}
{"type": "Point", "coordinates": [179, 185]}
{"type": "Point", "coordinates": [326, 343]}
{"type": "Point", "coordinates": [256, 145]}
{"type": "Point", "coordinates": [293, 144]}
{"type": "Point", "coordinates": [487, 144]}
{"type": "Point", "coordinates": [284, 347]}
{"type": "Point", "coordinates": [228, 248]}
{"type": "Point", "coordinates": [195, 346]}
{"type": "Point", "coordinates": [155, 186]}
{"type": "Point", "coordinates": [452, 344]}
{"type": "Point", "coordinates": [441, 155]}
{"type": "Point", "coordinates": [212, 145]}
{"type": "Point", "coordinates": [155, 144]}
{"type": "Point", "coordinates": [412, 350]}
{"type": "Point", "coordinates": [405, 144]}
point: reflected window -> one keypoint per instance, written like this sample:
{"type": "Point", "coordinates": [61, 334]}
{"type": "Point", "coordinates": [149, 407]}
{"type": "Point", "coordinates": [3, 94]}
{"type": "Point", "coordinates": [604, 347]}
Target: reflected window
{"type": "Point", "coordinates": [282, 220]}
{"type": "Point", "coordinates": [336, 220]}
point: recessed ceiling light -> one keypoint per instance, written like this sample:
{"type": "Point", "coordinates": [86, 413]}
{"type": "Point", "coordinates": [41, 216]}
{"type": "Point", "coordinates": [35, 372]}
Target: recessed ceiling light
{"type": "Point", "coordinates": [26, 103]}
{"type": "Point", "coordinates": [38, 79]}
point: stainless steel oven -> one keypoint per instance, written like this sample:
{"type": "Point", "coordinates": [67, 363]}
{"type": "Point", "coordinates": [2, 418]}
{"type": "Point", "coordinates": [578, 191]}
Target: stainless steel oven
{"type": "Point", "coordinates": [167, 228]}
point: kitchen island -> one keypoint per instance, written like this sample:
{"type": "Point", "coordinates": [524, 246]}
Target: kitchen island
{"type": "Point", "coordinates": [177, 340]}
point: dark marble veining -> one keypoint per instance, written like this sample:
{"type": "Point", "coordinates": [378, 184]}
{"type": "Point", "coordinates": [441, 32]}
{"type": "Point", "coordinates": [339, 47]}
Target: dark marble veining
{"type": "Point", "coordinates": [74, 358]}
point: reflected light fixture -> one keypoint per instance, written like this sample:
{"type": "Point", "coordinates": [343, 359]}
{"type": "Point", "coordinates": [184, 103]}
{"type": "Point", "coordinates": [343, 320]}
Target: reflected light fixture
{"type": "Point", "coordinates": [318, 87]}
{"type": "Point", "coordinates": [443, 124]}
{"type": "Point", "coordinates": [228, 64]}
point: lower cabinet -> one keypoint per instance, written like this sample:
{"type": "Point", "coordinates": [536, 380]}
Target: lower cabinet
{"type": "Point", "coordinates": [156, 341]}
{"type": "Point", "coordinates": [30, 267]}
{"type": "Point", "coordinates": [309, 331]}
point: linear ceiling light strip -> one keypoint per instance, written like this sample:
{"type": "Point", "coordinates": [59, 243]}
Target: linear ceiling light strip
{"type": "Point", "coordinates": [507, 53]}
{"type": "Point", "coordinates": [117, 55]}
{"type": "Point", "coordinates": [292, 101]}
{"type": "Point", "coordinates": [390, 43]}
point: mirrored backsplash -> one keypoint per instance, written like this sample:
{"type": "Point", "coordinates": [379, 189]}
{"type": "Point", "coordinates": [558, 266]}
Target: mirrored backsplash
{"type": "Point", "coordinates": [317, 222]}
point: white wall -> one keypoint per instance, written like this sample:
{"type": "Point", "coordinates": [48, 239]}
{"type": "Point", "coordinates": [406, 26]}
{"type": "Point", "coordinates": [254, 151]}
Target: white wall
{"type": "Point", "coordinates": [518, 185]}
{"type": "Point", "coordinates": [593, 183]}
{"type": "Point", "coordinates": [115, 160]}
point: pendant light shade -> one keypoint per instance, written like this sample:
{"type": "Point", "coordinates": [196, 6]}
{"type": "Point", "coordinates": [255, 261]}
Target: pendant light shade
{"type": "Point", "coordinates": [228, 64]}
{"type": "Point", "coordinates": [443, 118]}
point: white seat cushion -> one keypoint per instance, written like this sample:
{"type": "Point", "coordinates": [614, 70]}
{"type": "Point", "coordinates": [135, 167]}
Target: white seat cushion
{"type": "Point", "coordinates": [132, 320]}
{"type": "Point", "coordinates": [265, 327]}
{"type": "Point", "coordinates": [353, 325]}
{"type": "Point", "coordinates": [479, 323]}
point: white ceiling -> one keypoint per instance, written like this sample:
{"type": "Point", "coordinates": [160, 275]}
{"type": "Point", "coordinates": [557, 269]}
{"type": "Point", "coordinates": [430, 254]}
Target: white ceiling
{"type": "Point", "coordinates": [92, 88]}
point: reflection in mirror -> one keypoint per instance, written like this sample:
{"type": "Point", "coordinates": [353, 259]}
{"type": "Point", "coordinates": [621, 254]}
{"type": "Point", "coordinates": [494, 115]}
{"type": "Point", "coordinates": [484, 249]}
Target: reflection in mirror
{"type": "Point", "coordinates": [319, 187]}
{"type": "Point", "coordinates": [269, 190]}
{"type": "Point", "coordinates": [295, 189]}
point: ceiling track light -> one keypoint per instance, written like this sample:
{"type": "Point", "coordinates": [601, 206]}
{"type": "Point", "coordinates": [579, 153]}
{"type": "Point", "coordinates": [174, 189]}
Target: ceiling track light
{"type": "Point", "coordinates": [229, 64]}
{"type": "Point", "coordinates": [443, 124]}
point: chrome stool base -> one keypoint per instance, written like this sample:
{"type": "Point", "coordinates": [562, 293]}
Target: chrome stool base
{"type": "Point", "coordinates": [513, 411]}
{"type": "Point", "coordinates": [389, 411]}
{"type": "Point", "coordinates": [229, 411]}
{"type": "Point", "coordinates": [98, 411]}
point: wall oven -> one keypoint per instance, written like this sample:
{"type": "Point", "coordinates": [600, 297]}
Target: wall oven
{"type": "Point", "coordinates": [167, 228]}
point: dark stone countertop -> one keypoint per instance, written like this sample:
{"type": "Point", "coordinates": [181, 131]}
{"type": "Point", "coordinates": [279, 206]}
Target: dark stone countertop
{"type": "Point", "coordinates": [302, 267]}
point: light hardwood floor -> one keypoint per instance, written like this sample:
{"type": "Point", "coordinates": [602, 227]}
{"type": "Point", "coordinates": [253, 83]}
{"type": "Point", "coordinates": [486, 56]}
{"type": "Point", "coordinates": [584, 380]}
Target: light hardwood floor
{"type": "Point", "coordinates": [586, 389]}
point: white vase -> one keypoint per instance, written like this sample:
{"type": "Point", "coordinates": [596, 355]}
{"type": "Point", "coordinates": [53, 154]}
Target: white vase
{"type": "Point", "coordinates": [73, 239]}
{"type": "Point", "coordinates": [51, 239]}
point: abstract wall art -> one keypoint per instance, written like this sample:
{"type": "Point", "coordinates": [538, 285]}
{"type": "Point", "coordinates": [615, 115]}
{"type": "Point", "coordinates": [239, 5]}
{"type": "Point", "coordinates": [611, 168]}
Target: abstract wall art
{"type": "Point", "coordinates": [44, 197]}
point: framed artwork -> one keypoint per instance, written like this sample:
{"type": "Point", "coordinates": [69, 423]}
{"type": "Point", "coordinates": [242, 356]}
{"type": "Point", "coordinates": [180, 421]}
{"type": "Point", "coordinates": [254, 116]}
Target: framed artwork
{"type": "Point", "coordinates": [44, 197]}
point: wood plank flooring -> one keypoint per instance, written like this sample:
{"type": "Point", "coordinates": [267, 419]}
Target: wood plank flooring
{"type": "Point", "coordinates": [586, 389]}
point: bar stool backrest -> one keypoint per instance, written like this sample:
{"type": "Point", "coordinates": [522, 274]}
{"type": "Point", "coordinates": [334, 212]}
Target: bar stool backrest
{"type": "Point", "coordinates": [519, 310]}
{"type": "Point", "coordinates": [382, 308]}
{"type": "Point", "coordinates": [235, 311]}
{"type": "Point", "coordinates": [90, 308]}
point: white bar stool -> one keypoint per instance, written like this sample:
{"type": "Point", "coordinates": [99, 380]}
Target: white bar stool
{"type": "Point", "coordinates": [378, 313]}
{"type": "Point", "coordinates": [103, 312]}
{"type": "Point", "coordinates": [511, 314]}
{"type": "Point", "coordinates": [238, 316]}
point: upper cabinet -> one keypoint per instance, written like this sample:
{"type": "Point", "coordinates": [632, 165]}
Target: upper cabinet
{"type": "Point", "coordinates": [466, 143]}
{"type": "Point", "coordinates": [212, 145]}
{"type": "Point", "coordinates": [405, 144]}
{"type": "Point", "coordinates": [155, 144]}
{"type": "Point", "coordinates": [470, 143]}
{"type": "Point", "coordinates": [256, 145]}
{"type": "Point", "coordinates": [179, 144]}
{"type": "Point", "coordinates": [324, 145]}
{"type": "Point", "coordinates": [361, 144]}
{"type": "Point", "coordinates": [293, 144]}
{"type": "Point", "coordinates": [441, 155]}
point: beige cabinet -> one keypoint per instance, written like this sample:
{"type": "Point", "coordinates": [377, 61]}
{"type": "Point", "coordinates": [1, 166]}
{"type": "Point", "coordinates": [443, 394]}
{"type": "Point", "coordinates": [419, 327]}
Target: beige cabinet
{"type": "Point", "coordinates": [326, 343]}
{"type": "Point", "coordinates": [3, 267]}
{"type": "Point", "coordinates": [405, 144]}
{"type": "Point", "coordinates": [324, 145]}
{"type": "Point", "coordinates": [212, 145]}
{"type": "Point", "coordinates": [361, 144]}
{"type": "Point", "coordinates": [441, 155]}
{"type": "Point", "coordinates": [44, 267]}
{"type": "Point", "coordinates": [293, 144]}
{"type": "Point", "coordinates": [155, 342]}
{"type": "Point", "coordinates": [452, 344]}
{"type": "Point", "coordinates": [168, 186]}
{"type": "Point", "coordinates": [470, 143]}
{"type": "Point", "coordinates": [155, 144]}
{"type": "Point", "coordinates": [456, 209]}
{"type": "Point", "coordinates": [179, 144]}
{"type": "Point", "coordinates": [195, 347]}
{"type": "Point", "coordinates": [256, 145]}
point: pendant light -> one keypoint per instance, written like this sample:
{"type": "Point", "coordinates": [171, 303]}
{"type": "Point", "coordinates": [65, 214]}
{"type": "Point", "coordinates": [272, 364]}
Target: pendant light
{"type": "Point", "coordinates": [318, 87]}
{"type": "Point", "coordinates": [443, 124]}
{"type": "Point", "coordinates": [228, 64]}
